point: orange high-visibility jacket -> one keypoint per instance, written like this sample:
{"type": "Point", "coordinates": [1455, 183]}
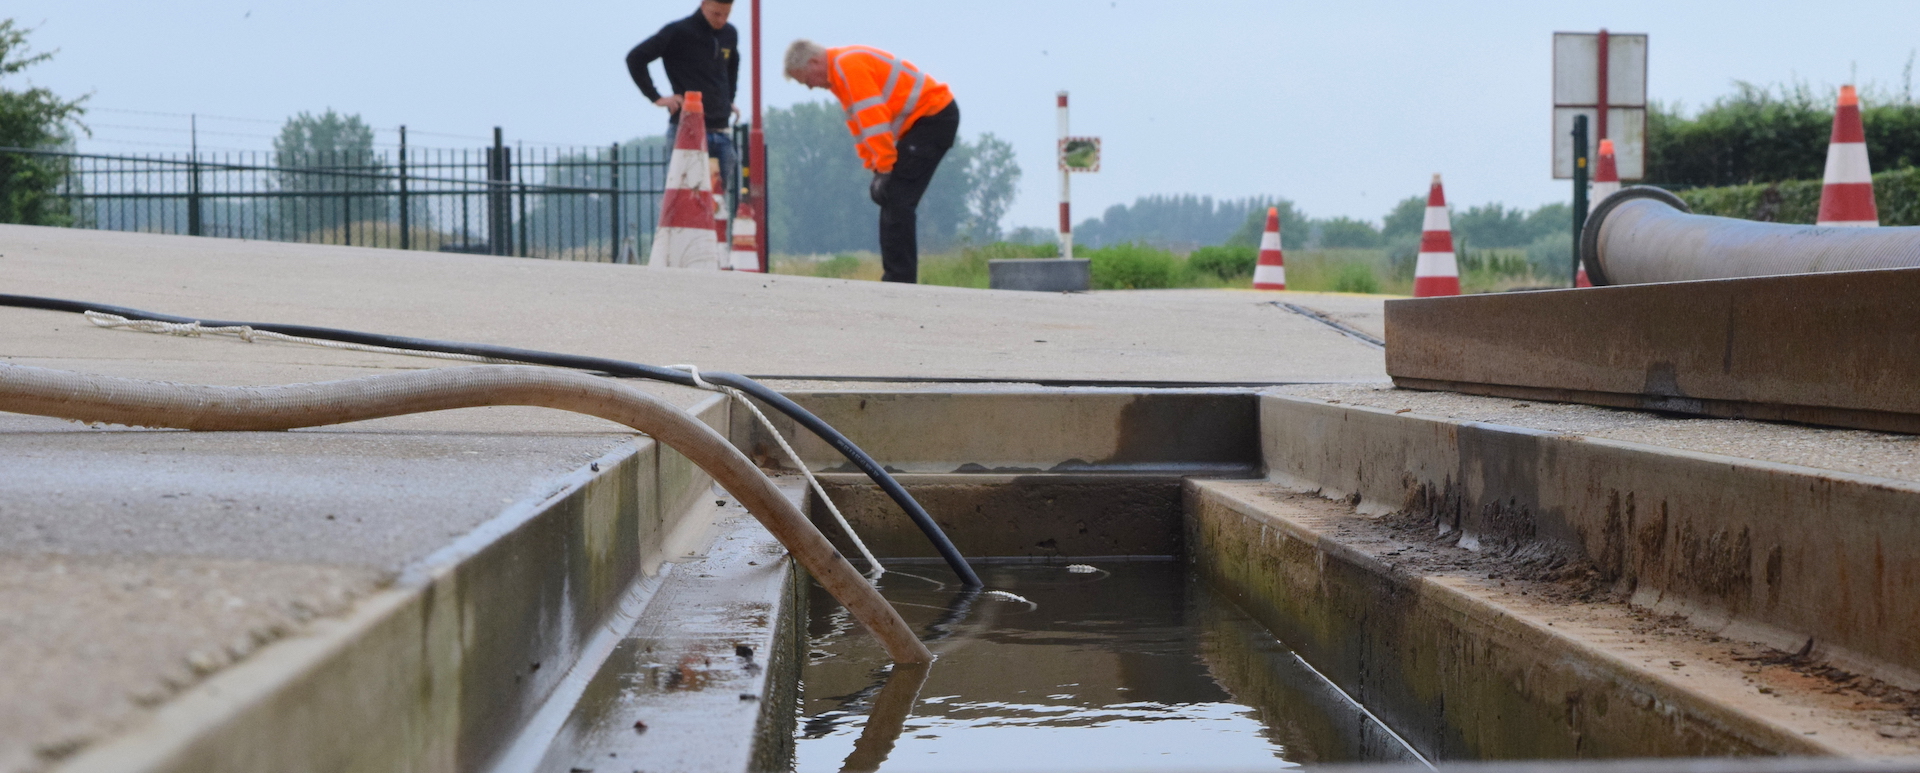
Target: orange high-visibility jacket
{"type": "Point", "coordinates": [883, 96]}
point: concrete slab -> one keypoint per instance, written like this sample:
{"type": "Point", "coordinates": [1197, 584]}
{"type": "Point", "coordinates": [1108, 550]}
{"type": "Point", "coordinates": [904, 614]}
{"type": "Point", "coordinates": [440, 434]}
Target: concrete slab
{"type": "Point", "coordinates": [754, 324]}
{"type": "Point", "coordinates": [1828, 348]}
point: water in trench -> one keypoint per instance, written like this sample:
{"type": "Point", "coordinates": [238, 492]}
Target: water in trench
{"type": "Point", "coordinates": [1135, 665]}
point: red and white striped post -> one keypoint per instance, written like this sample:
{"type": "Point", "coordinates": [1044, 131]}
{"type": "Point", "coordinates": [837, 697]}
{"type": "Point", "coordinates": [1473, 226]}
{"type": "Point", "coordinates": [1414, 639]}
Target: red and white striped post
{"type": "Point", "coordinates": [1066, 188]}
{"type": "Point", "coordinates": [1847, 198]}
{"type": "Point", "coordinates": [1435, 272]}
{"type": "Point", "coordinates": [1271, 272]}
{"type": "Point", "coordinates": [684, 237]}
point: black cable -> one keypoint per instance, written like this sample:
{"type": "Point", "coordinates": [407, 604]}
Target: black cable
{"type": "Point", "coordinates": [752, 388]}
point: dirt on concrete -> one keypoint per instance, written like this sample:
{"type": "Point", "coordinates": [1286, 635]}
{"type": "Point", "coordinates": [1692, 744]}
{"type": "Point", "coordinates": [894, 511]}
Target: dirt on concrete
{"type": "Point", "coordinates": [1570, 594]}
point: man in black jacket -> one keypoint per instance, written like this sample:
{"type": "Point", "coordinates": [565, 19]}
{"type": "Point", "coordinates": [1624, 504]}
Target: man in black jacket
{"type": "Point", "coordinates": [700, 53]}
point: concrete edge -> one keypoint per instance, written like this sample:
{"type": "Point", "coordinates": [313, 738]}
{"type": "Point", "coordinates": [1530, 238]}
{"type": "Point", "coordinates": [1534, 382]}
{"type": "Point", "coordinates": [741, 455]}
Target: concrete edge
{"type": "Point", "coordinates": [1772, 553]}
{"type": "Point", "coordinates": [1022, 432]}
{"type": "Point", "coordinates": [437, 671]}
{"type": "Point", "coordinates": [1426, 656]}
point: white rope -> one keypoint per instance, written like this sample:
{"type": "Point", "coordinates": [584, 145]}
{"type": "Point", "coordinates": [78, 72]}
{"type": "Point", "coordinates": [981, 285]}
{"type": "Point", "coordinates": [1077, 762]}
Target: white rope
{"type": "Point", "coordinates": [248, 334]}
{"type": "Point", "coordinates": [877, 570]}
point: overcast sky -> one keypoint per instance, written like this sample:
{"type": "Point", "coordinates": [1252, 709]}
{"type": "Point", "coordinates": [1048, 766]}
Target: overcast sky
{"type": "Point", "coordinates": [1343, 107]}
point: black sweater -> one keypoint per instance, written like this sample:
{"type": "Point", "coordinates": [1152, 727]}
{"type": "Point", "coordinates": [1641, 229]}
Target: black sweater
{"type": "Point", "coordinates": [697, 57]}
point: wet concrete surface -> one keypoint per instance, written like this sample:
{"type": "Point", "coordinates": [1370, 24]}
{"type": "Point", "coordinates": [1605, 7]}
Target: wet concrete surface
{"type": "Point", "coordinates": [1120, 666]}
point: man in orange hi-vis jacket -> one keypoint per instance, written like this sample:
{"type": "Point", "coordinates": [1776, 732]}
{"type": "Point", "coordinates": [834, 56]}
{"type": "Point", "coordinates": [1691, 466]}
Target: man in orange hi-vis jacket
{"type": "Point", "coordinates": [902, 122]}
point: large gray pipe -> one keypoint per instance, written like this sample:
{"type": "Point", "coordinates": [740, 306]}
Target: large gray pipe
{"type": "Point", "coordinates": [1645, 234]}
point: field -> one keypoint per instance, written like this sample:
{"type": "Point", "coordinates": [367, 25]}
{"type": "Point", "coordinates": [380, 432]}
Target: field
{"type": "Point", "coordinates": [1131, 267]}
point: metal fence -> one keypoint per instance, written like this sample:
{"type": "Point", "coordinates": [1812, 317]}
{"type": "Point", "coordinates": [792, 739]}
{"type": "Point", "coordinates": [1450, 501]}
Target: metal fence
{"type": "Point", "coordinates": [590, 204]}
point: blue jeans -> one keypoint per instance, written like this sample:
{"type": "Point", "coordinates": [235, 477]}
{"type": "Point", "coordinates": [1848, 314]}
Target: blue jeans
{"type": "Point", "coordinates": [719, 146]}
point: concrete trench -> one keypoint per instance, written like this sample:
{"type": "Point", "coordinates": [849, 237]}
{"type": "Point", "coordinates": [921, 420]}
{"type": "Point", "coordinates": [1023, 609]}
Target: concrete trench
{"type": "Point", "coordinates": [1309, 513]}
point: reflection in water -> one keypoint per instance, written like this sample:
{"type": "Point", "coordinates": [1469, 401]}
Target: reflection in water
{"type": "Point", "coordinates": [1140, 667]}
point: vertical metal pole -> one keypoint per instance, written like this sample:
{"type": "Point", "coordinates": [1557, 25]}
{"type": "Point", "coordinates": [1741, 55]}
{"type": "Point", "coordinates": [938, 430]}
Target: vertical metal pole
{"type": "Point", "coordinates": [1600, 130]}
{"type": "Point", "coordinates": [1579, 192]}
{"type": "Point", "coordinates": [193, 182]}
{"type": "Point", "coordinates": [406, 221]}
{"type": "Point", "coordinates": [613, 207]}
{"type": "Point", "coordinates": [346, 200]}
{"type": "Point", "coordinates": [757, 152]}
{"type": "Point", "coordinates": [1066, 186]}
{"type": "Point", "coordinates": [497, 237]}
{"type": "Point", "coordinates": [522, 175]}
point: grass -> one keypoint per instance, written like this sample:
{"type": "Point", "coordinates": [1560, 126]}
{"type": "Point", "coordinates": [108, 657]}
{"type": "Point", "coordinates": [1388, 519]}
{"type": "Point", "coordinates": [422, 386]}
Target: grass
{"type": "Point", "coordinates": [1128, 267]}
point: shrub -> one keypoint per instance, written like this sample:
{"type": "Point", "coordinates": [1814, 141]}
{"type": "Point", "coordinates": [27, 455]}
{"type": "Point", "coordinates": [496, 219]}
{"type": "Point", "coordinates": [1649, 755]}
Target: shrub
{"type": "Point", "coordinates": [1132, 267]}
{"type": "Point", "coordinates": [1897, 193]}
{"type": "Point", "coordinates": [1356, 278]}
{"type": "Point", "coordinates": [1230, 261]}
{"type": "Point", "coordinates": [1551, 256]}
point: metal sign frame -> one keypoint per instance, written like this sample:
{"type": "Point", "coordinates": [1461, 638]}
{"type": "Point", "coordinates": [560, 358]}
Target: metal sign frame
{"type": "Point", "coordinates": [1602, 76]}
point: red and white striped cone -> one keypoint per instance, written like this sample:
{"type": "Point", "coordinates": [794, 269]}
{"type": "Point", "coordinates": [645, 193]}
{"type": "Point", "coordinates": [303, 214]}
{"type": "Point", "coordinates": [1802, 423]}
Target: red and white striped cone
{"type": "Point", "coordinates": [1606, 175]}
{"type": "Point", "coordinates": [1435, 272]}
{"type": "Point", "coordinates": [1847, 198]}
{"type": "Point", "coordinates": [719, 215]}
{"type": "Point", "coordinates": [684, 238]}
{"type": "Point", "coordinates": [1606, 182]}
{"type": "Point", "coordinates": [1271, 272]}
{"type": "Point", "coordinates": [746, 238]}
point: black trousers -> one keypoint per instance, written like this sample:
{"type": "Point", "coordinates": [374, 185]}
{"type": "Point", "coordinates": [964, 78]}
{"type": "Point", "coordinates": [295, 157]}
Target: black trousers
{"type": "Point", "coordinates": [920, 151]}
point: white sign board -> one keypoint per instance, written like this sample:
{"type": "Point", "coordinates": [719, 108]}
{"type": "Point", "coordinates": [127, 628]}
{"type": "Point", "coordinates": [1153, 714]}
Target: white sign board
{"type": "Point", "coordinates": [1577, 76]}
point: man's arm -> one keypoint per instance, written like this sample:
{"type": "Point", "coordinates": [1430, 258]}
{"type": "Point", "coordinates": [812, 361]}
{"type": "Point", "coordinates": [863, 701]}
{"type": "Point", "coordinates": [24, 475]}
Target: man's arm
{"type": "Point", "coordinates": [733, 72]}
{"type": "Point", "coordinates": [642, 55]}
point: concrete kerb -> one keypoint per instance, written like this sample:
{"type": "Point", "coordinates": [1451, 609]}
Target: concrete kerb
{"type": "Point", "coordinates": [439, 671]}
{"type": "Point", "coordinates": [1459, 676]}
{"type": "Point", "coordinates": [1764, 552]}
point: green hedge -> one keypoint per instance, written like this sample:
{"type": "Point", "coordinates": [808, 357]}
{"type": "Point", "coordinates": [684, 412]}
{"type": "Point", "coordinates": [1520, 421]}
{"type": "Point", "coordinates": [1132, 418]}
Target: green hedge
{"type": "Point", "coordinates": [1896, 193]}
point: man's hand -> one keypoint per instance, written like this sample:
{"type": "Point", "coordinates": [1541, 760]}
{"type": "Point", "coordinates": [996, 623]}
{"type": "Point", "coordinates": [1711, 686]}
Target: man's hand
{"type": "Point", "coordinates": [877, 190]}
{"type": "Point", "coordinates": [672, 102]}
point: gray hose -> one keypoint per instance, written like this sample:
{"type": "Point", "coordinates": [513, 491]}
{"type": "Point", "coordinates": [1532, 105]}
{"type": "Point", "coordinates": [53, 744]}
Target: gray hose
{"type": "Point", "coordinates": [1645, 234]}
{"type": "Point", "coordinates": [133, 402]}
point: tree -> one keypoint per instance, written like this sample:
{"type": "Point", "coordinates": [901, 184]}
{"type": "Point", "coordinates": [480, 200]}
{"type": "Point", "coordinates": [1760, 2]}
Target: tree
{"type": "Point", "coordinates": [34, 119]}
{"type": "Point", "coordinates": [818, 190]}
{"type": "Point", "coordinates": [328, 159]}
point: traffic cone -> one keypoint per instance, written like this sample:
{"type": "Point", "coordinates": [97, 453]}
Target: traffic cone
{"type": "Point", "coordinates": [1847, 198]}
{"type": "Point", "coordinates": [1435, 272]}
{"type": "Point", "coordinates": [719, 215]}
{"type": "Point", "coordinates": [1606, 176]}
{"type": "Point", "coordinates": [684, 238]}
{"type": "Point", "coordinates": [746, 241]}
{"type": "Point", "coordinates": [1271, 272]}
{"type": "Point", "coordinates": [1606, 182]}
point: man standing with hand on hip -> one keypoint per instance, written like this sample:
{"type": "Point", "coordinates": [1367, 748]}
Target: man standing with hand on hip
{"type": "Point", "coordinates": [700, 53]}
{"type": "Point", "coordinates": [902, 122]}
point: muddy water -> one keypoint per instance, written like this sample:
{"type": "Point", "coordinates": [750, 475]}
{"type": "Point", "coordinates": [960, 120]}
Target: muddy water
{"type": "Point", "coordinates": [1132, 666]}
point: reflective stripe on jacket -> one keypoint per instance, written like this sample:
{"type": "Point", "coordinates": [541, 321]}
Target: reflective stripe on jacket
{"type": "Point", "coordinates": [883, 95]}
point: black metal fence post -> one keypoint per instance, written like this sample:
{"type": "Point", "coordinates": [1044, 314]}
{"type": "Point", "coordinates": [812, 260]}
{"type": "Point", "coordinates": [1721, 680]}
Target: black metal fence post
{"type": "Point", "coordinates": [406, 221]}
{"type": "Point", "coordinates": [613, 200]}
{"type": "Point", "coordinates": [1579, 193]}
{"type": "Point", "coordinates": [193, 180]}
{"type": "Point", "coordinates": [497, 195]}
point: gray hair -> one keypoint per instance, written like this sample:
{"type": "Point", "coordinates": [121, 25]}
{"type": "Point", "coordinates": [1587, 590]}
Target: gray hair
{"type": "Point", "coordinates": [800, 53]}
